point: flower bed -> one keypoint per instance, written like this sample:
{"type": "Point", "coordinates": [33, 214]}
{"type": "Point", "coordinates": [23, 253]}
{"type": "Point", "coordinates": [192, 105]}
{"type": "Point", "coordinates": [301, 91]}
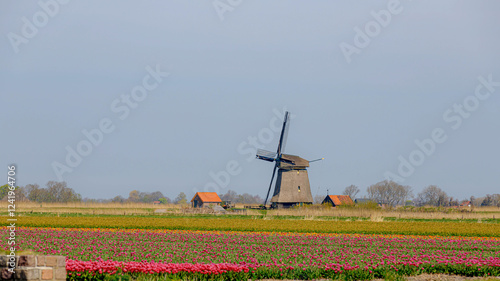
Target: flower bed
{"type": "Point", "coordinates": [254, 255]}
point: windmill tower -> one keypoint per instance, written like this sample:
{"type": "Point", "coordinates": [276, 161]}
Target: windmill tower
{"type": "Point", "coordinates": [292, 184]}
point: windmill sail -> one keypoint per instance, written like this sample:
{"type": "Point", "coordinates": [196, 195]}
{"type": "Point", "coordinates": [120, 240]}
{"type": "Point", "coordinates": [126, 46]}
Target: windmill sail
{"type": "Point", "coordinates": [284, 134]}
{"type": "Point", "coordinates": [266, 155]}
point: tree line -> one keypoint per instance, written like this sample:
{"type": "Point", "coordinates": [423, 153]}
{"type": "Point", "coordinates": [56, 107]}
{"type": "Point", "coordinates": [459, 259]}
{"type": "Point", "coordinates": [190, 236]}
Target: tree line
{"type": "Point", "coordinates": [54, 192]}
{"type": "Point", "coordinates": [59, 192]}
{"type": "Point", "coordinates": [392, 193]}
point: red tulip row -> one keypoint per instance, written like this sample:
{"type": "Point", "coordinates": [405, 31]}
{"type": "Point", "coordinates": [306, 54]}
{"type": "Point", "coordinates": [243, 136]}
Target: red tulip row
{"type": "Point", "coordinates": [97, 270]}
{"type": "Point", "coordinates": [112, 267]}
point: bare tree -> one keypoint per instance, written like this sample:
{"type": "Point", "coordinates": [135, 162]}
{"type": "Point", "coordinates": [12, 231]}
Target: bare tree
{"type": "Point", "coordinates": [230, 195]}
{"type": "Point", "coordinates": [55, 192]}
{"type": "Point", "coordinates": [389, 192]}
{"type": "Point", "coordinates": [352, 191]}
{"type": "Point", "coordinates": [318, 199]}
{"type": "Point", "coordinates": [434, 196]}
{"type": "Point", "coordinates": [33, 192]}
{"type": "Point", "coordinates": [244, 198]}
{"type": "Point", "coordinates": [496, 200]}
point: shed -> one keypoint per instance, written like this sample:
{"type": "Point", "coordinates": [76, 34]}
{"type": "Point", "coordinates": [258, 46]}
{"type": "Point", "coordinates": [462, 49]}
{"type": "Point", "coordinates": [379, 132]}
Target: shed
{"type": "Point", "coordinates": [205, 199]}
{"type": "Point", "coordinates": [337, 200]}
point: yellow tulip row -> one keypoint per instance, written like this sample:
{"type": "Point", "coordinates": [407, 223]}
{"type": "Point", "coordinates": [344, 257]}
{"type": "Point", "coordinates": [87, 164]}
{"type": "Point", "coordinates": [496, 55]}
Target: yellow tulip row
{"type": "Point", "coordinates": [311, 226]}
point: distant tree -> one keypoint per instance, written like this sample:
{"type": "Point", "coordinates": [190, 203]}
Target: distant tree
{"type": "Point", "coordinates": [4, 190]}
{"type": "Point", "coordinates": [453, 202]}
{"type": "Point", "coordinates": [59, 192]}
{"type": "Point", "coordinates": [155, 196]}
{"type": "Point", "coordinates": [33, 192]}
{"type": "Point", "coordinates": [389, 192]}
{"type": "Point", "coordinates": [496, 200]}
{"type": "Point", "coordinates": [472, 199]}
{"type": "Point", "coordinates": [144, 197]}
{"type": "Point", "coordinates": [181, 199]}
{"type": "Point", "coordinates": [54, 192]}
{"type": "Point", "coordinates": [19, 192]}
{"type": "Point", "coordinates": [248, 199]}
{"type": "Point", "coordinates": [133, 196]}
{"type": "Point", "coordinates": [164, 200]}
{"type": "Point", "coordinates": [258, 200]}
{"type": "Point", "coordinates": [487, 201]}
{"type": "Point", "coordinates": [118, 199]}
{"type": "Point", "coordinates": [477, 201]}
{"type": "Point", "coordinates": [318, 199]}
{"type": "Point", "coordinates": [230, 195]}
{"type": "Point", "coordinates": [491, 200]}
{"type": "Point", "coordinates": [434, 196]}
{"type": "Point", "coordinates": [147, 197]}
{"type": "Point", "coordinates": [351, 191]}
{"type": "Point", "coordinates": [244, 198]}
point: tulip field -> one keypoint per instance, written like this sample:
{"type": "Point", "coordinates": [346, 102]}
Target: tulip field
{"type": "Point", "coordinates": [273, 225]}
{"type": "Point", "coordinates": [98, 253]}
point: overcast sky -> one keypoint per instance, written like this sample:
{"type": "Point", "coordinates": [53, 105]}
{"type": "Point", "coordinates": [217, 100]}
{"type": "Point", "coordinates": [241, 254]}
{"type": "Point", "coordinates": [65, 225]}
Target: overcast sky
{"type": "Point", "coordinates": [174, 95]}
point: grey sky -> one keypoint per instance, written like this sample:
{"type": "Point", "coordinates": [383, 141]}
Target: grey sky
{"type": "Point", "coordinates": [227, 77]}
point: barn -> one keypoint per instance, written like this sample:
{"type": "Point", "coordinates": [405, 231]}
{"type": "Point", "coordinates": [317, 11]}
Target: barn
{"type": "Point", "coordinates": [337, 200]}
{"type": "Point", "coordinates": [205, 199]}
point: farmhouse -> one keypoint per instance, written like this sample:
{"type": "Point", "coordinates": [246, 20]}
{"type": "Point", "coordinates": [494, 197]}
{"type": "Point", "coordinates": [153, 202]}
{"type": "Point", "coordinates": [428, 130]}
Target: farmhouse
{"type": "Point", "coordinates": [337, 200]}
{"type": "Point", "coordinates": [205, 199]}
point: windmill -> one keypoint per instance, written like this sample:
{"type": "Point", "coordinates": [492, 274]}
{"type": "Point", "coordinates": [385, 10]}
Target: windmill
{"type": "Point", "coordinates": [292, 184]}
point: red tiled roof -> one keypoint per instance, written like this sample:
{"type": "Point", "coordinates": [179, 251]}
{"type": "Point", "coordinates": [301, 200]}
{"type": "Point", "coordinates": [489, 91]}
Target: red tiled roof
{"type": "Point", "coordinates": [341, 199]}
{"type": "Point", "coordinates": [207, 197]}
